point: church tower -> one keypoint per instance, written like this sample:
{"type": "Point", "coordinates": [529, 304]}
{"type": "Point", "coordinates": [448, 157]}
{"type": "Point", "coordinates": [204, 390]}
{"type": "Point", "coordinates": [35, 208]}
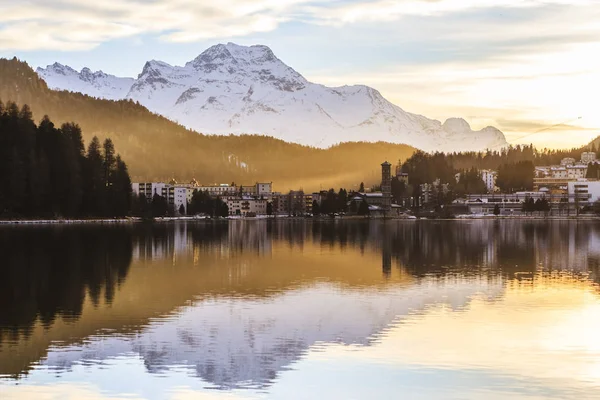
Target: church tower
{"type": "Point", "coordinates": [386, 186]}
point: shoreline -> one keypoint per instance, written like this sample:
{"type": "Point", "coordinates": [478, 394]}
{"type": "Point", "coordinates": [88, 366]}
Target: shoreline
{"type": "Point", "coordinates": [66, 221]}
{"type": "Point", "coordinates": [132, 220]}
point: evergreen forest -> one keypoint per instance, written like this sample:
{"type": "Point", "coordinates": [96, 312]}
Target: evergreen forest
{"type": "Point", "coordinates": [46, 172]}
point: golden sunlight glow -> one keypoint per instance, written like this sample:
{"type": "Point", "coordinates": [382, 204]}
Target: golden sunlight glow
{"type": "Point", "coordinates": [518, 94]}
{"type": "Point", "coordinates": [558, 342]}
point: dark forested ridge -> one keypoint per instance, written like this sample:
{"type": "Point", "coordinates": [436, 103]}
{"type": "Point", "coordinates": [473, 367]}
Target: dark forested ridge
{"type": "Point", "coordinates": [158, 149]}
{"type": "Point", "coordinates": [513, 162]}
{"type": "Point", "coordinates": [45, 171]}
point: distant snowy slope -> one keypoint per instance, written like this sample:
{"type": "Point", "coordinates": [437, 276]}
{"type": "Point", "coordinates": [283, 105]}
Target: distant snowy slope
{"type": "Point", "coordinates": [96, 84]}
{"type": "Point", "coordinates": [237, 89]}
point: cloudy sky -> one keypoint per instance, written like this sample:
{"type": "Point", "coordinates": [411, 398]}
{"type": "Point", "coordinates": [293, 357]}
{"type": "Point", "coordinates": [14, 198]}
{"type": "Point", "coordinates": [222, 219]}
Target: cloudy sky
{"type": "Point", "coordinates": [520, 65]}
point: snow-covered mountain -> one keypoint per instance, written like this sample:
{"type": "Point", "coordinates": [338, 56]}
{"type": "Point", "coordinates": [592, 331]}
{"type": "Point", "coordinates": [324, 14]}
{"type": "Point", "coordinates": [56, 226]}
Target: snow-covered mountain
{"type": "Point", "coordinates": [237, 89]}
{"type": "Point", "coordinates": [97, 84]}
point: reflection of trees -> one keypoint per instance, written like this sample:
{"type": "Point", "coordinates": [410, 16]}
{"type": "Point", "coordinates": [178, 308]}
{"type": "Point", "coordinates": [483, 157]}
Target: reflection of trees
{"type": "Point", "coordinates": [47, 272]}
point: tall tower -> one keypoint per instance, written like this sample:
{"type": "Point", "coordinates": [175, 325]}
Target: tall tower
{"type": "Point", "coordinates": [386, 186]}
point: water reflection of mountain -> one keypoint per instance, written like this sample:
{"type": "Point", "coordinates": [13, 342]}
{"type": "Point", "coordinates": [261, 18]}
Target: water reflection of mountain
{"type": "Point", "coordinates": [232, 342]}
{"type": "Point", "coordinates": [237, 303]}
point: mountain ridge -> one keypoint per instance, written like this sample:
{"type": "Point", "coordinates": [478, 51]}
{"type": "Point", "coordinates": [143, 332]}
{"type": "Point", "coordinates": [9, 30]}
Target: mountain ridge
{"type": "Point", "coordinates": [157, 149]}
{"type": "Point", "coordinates": [232, 89]}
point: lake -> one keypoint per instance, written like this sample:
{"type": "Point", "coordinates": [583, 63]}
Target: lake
{"type": "Point", "coordinates": [297, 309]}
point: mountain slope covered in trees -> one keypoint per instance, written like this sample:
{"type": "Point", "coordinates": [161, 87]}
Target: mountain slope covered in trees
{"type": "Point", "coordinates": [158, 149]}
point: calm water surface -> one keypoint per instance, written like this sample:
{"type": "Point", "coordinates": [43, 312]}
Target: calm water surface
{"type": "Point", "coordinates": [301, 310]}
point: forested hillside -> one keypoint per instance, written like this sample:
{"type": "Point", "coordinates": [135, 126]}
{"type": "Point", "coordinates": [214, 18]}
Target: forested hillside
{"type": "Point", "coordinates": [46, 172]}
{"type": "Point", "coordinates": [158, 149]}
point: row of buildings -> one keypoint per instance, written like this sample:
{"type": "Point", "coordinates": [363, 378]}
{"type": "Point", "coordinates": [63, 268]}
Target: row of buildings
{"type": "Point", "coordinates": [578, 194]}
{"type": "Point", "coordinates": [260, 199]}
{"type": "Point", "coordinates": [241, 200]}
{"type": "Point", "coordinates": [564, 186]}
{"type": "Point", "coordinates": [551, 176]}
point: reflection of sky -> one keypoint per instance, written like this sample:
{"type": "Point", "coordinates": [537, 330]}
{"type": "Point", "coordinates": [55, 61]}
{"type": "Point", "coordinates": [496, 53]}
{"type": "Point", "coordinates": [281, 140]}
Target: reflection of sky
{"type": "Point", "coordinates": [538, 340]}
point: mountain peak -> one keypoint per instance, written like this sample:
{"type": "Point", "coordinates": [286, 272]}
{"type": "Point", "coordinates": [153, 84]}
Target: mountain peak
{"type": "Point", "coordinates": [97, 84]}
{"type": "Point", "coordinates": [58, 68]}
{"type": "Point", "coordinates": [230, 88]}
{"type": "Point", "coordinates": [257, 53]}
{"type": "Point", "coordinates": [217, 54]}
{"type": "Point", "coordinates": [456, 125]}
{"type": "Point", "coordinates": [232, 53]}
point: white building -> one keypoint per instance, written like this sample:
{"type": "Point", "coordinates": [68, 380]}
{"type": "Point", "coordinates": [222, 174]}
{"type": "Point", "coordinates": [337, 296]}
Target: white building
{"type": "Point", "coordinates": [489, 178]}
{"type": "Point", "coordinates": [567, 161]}
{"type": "Point", "coordinates": [558, 172]}
{"type": "Point", "coordinates": [180, 198]}
{"type": "Point", "coordinates": [264, 189]}
{"type": "Point", "coordinates": [148, 189]}
{"type": "Point", "coordinates": [258, 189]}
{"type": "Point", "coordinates": [218, 190]}
{"type": "Point", "coordinates": [584, 191]}
{"type": "Point", "coordinates": [244, 206]}
{"type": "Point", "coordinates": [176, 195]}
{"type": "Point", "coordinates": [588, 157]}
{"type": "Point", "coordinates": [576, 171]}
{"type": "Point", "coordinates": [542, 172]}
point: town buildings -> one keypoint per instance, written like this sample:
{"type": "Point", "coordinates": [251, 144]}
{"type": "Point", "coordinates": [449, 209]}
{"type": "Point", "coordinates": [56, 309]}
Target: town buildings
{"type": "Point", "coordinates": [218, 190]}
{"type": "Point", "coordinates": [246, 206]}
{"type": "Point", "coordinates": [588, 157]}
{"type": "Point", "coordinates": [242, 200]}
{"type": "Point", "coordinates": [176, 195]}
{"type": "Point", "coordinates": [432, 191]}
{"type": "Point", "coordinates": [567, 161]}
{"type": "Point", "coordinates": [489, 178]}
{"type": "Point", "coordinates": [569, 170]}
{"type": "Point", "coordinates": [583, 191]}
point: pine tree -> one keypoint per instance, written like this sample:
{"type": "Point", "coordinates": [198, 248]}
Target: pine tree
{"type": "Point", "coordinates": [316, 208]}
{"type": "Point", "coordinates": [121, 190]}
{"type": "Point", "coordinates": [109, 162]}
{"type": "Point", "coordinates": [44, 171]}
{"type": "Point", "coordinates": [95, 187]}
{"type": "Point", "coordinates": [363, 208]}
{"type": "Point", "coordinates": [159, 206]}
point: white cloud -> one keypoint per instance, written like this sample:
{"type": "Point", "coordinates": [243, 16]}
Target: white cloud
{"type": "Point", "coordinates": [391, 10]}
{"type": "Point", "coordinates": [79, 24]}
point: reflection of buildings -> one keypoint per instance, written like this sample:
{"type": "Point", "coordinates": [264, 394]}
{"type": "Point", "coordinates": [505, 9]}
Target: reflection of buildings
{"type": "Point", "coordinates": [184, 240]}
